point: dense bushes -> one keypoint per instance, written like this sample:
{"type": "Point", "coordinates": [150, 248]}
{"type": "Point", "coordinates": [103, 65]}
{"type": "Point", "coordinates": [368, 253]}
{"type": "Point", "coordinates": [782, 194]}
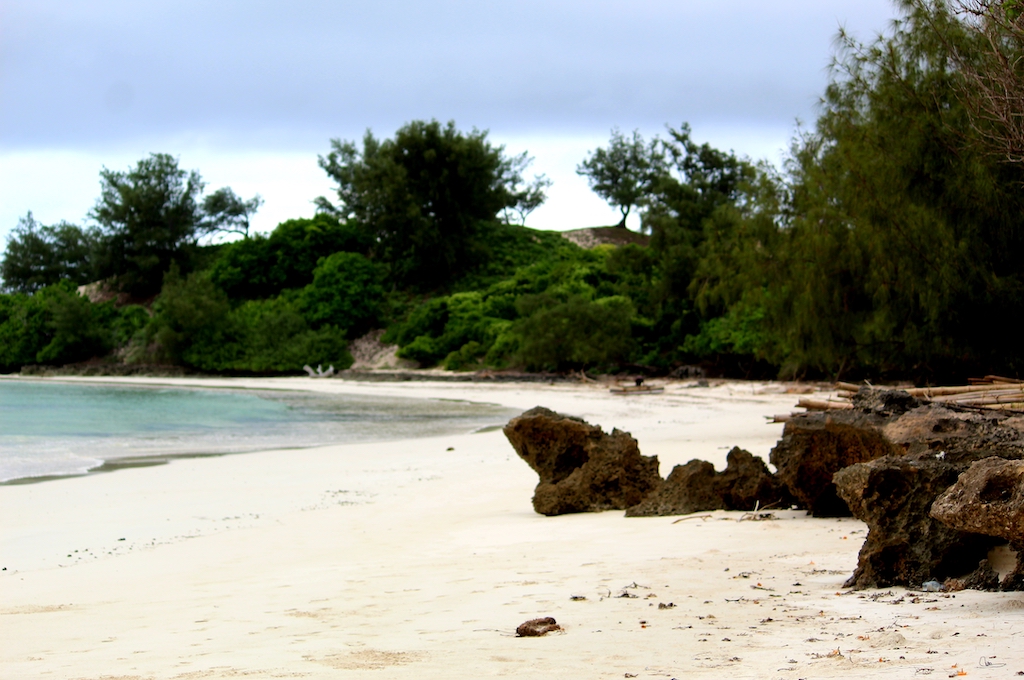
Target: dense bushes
{"type": "Point", "coordinates": [263, 266]}
{"type": "Point", "coordinates": [57, 326]}
{"type": "Point", "coordinates": [561, 313]}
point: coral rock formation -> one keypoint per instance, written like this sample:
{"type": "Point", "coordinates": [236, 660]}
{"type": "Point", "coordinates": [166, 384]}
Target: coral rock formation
{"type": "Point", "coordinates": [581, 468]}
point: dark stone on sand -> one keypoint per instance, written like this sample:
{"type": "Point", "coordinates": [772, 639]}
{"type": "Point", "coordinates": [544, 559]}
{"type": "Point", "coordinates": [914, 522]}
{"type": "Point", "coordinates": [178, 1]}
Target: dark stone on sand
{"type": "Point", "coordinates": [537, 627]}
{"type": "Point", "coordinates": [696, 487]}
{"type": "Point", "coordinates": [581, 468]}
{"type": "Point", "coordinates": [887, 460]}
{"type": "Point", "coordinates": [905, 545]}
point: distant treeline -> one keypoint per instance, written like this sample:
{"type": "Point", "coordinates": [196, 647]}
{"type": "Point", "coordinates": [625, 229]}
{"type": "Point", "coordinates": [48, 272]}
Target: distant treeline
{"type": "Point", "coordinates": [889, 245]}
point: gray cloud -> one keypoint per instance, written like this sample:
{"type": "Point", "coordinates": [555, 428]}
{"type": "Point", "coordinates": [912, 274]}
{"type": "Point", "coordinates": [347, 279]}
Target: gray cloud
{"type": "Point", "coordinates": [85, 74]}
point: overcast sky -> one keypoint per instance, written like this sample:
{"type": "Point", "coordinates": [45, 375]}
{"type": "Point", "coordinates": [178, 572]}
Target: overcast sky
{"type": "Point", "coordinates": [249, 92]}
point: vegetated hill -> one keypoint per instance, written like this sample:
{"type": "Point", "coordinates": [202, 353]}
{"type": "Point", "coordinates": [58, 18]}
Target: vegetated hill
{"type": "Point", "coordinates": [589, 237]}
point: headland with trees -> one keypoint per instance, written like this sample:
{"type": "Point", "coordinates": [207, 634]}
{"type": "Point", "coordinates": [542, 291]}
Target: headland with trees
{"type": "Point", "coordinates": [890, 244]}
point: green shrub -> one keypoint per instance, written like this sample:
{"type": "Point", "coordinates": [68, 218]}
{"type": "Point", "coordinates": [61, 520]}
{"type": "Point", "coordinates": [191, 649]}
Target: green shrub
{"type": "Point", "coordinates": [54, 325]}
{"type": "Point", "coordinates": [346, 292]}
{"type": "Point", "coordinates": [466, 357]}
{"type": "Point", "coordinates": [575, 334]}
{"type": "Point", "coordinates": [76, 328]}
{"type": "Point", "coordinates": [194, 325]}
{"type": "Point", "coordinates": [262, 266]}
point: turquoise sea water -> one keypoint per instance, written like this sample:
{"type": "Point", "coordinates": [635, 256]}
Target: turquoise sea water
{"type": "Point", "coordinates": [49, 428]}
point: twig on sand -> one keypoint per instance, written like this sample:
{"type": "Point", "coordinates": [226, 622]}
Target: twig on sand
{"type": "Point", "coordinates": [683, 519]}
{"type": "Point", "coordinates": [758, 514]}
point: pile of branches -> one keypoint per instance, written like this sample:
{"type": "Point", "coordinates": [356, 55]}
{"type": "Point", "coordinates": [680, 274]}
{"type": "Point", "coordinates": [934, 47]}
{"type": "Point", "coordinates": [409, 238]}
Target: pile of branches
{"type": "Point", "coordinates": [991, 392]}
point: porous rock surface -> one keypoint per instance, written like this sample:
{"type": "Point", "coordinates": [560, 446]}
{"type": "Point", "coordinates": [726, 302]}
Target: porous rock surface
{"type": "Point", "coordinates": [887, 460]}
{"type": "Point", "coordinates": [815, 446]}
{"type": "Point", "coordinates": [581, 468]}
{"type": "Point", "coordinates": [893, 495]}
{"type": "Point", "coordinates": [988, 499]}
{"type": "Point", "coordinates": [745, 483]}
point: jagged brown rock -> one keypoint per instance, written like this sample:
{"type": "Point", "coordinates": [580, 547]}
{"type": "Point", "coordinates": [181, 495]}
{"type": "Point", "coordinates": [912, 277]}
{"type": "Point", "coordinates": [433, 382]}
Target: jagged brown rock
{"type": "Point", "coordinates": [745, 483]}
{"type": "Point", "coordinates": [892, 455]}
{"type": "Point", "coordinates": [817, 445]}
{"type": "Point", "coordinates": [988, 498]}
{"type": "Point", "coordinates": [905, 546]}
{"type": "Point", "coordinates": [689, 488]}
{"type": "Point", "coordinates": [885, 403]}
{"type": "Point", "coordinates": [957, 434]}
{"type": "Point", "coordinates": [581, 468]}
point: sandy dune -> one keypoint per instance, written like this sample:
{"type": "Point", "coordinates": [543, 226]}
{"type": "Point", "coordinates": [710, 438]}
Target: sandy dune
{"type": "Point", "coordinates": [418, 559]}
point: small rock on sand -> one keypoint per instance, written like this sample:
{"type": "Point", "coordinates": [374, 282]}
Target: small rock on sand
{"type": "Point", "coordinates": [537, 627]}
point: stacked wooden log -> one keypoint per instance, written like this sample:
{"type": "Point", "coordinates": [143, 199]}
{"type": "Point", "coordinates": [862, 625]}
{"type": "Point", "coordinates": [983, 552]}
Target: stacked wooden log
{"type": "Point", "coordinates": [991, 392]}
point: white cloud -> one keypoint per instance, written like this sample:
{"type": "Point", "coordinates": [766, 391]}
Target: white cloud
{"type": "Point", "coordinates": [250, 92]}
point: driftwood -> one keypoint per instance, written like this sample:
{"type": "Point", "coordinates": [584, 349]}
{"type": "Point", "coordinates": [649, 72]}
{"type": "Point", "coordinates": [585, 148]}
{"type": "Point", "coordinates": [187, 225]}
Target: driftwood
{"type": "Point", "coordinates": [992, 392]}
{"type": "Point", "coordinates": [819, 405]}
{"type": "Point", "coordinates": [319, 372]}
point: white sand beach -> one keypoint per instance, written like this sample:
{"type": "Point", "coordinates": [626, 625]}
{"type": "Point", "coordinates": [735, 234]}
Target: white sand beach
{"type": "Point", "coordinates": [418, 559]}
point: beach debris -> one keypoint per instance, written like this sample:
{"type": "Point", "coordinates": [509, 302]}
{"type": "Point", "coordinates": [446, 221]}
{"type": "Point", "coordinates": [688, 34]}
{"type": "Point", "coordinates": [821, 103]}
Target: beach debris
{"type": "Point", "coordinates": [581, 468]}
{"type": "Point", "coordinates": [537, 627]}
{"type": "Point", "coordinates": [702, 517]}
{"type": "Point", "coordinates": [638, 387]}
{"type": "Point", "coordinates": [758, 514]}
{"type": "Point", "coordinates": [696, 487]}
{"type": "Point", "coordinates": [989, 393]}
{"type": "Point", "coordinates": [319, 372]}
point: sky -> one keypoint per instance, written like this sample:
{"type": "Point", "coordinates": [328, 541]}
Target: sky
{"type": "Point", "coordinates": [250, 92]}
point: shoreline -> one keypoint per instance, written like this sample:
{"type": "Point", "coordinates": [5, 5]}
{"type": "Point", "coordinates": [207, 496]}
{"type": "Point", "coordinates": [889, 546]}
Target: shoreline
{"type": "Point", "coordinates": [133, 460]}
{"type": "Point", "coordinates": [418, 559]}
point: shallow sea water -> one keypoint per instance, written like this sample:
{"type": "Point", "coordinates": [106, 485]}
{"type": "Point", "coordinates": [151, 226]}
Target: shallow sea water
{"type": "Point", "coordinates": [55, 429]}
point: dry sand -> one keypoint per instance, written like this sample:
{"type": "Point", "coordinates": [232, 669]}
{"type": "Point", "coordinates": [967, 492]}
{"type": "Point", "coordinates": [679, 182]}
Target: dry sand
{"type": "Point", "coordinates": [418, 559]}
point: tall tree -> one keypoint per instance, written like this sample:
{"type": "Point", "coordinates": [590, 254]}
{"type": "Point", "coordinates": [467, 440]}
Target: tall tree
{"type": "Point", "coordinates": [152, 217]}
{"type": "Point", "coordinates": [525, 196]}
{"type": "Point", "coordinates": [228, 212]}
{"type": "Point", "coordinates": [901, 240]}
{"type": "Point", "coordinates": [696, 180]}
{"type": "Point", "coordinates": [40, 255]}
{"type": "Point", "coordinates": [424, 197]}
{"type": "Point", "coordinates": [624, 172]}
